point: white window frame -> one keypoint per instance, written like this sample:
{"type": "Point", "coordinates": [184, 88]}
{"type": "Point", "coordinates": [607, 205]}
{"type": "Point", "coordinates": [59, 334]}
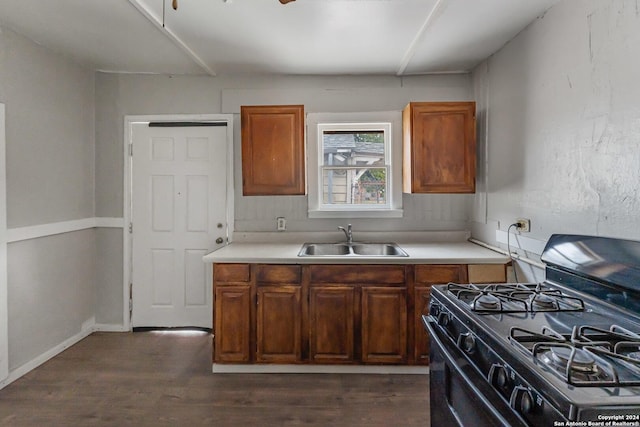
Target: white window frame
{"type": "Point", "coordinates": [391, 123]}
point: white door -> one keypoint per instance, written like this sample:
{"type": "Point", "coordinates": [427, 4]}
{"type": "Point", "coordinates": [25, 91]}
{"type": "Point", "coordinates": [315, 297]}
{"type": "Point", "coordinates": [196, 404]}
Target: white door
{"type": "Point", "coordinates": [178, 212]}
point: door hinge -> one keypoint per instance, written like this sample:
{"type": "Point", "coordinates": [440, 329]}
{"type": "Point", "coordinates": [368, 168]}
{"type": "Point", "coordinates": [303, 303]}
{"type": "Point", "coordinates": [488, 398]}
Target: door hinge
{"type": "Point", "coordinates": [130, 227]}
{"type": "Point", "coordinates": [130, 149]}
{"type": "Point", "coordinates": [130, 301]}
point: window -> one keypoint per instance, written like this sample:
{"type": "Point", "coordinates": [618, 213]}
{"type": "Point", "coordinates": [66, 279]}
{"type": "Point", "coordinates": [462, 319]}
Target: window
{"type": "Point", "coordinates": [351, 165]}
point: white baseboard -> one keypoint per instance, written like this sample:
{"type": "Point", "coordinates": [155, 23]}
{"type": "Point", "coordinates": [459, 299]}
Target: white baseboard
{"type": "Point", "coordinates": [104, 327]}
{"type": "Point", "coordinates": [34, 363]}
{"type": "Point", "coordinates": [221, 368]}
{"type": "Point", "coordinates": [88, 327]}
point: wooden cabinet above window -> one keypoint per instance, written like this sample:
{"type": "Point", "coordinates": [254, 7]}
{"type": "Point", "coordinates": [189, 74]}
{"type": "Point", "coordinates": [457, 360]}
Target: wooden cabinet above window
{"type": "Point", "coordinates": [273, 150]}
{"type": "Point", "coordinates": [439, 147]}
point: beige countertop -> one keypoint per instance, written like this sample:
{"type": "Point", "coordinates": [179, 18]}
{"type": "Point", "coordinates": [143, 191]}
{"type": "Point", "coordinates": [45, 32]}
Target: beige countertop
{"type": "Point", "coordinates": [459, 252]}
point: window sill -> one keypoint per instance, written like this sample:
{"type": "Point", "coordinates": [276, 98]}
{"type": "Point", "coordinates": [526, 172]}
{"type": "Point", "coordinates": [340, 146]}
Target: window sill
{"type": "Point", "coordinates": [387, 213]}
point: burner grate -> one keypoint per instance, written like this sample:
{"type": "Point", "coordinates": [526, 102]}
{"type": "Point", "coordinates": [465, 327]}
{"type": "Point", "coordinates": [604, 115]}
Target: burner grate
{"type": "Point", "coordinates": [589, 356]}
{"type": "Point", "coordinates": [514, 298]}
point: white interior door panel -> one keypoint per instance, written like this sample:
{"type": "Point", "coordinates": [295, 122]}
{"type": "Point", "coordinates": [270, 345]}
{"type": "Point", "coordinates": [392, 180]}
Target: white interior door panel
{"type": "Point", "coordinates": [178, 212]}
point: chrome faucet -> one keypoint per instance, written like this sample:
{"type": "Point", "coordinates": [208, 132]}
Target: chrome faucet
{"type": "Point", "coordinates": [348, 233]}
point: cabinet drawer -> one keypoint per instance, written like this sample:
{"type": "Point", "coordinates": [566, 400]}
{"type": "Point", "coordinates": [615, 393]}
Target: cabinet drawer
{"type": "Point", "coordinates": [365, 274]}
{"type": "Point", "coordinates": [231, 272]}
{"type": "Point", "coordinates": [433, 274]}
{"type": "Point", "coordinates": [278, 273]}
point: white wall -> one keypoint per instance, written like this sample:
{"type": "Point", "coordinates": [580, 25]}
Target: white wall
{"type": "Point", "coordinates": [50, 141]}
{"type": "Point", "coordinates": [121, 95]}
{"type": "Point", "coordinates": [51, 292]}
{"type": "Point", "coordinates": [4, 314]}
{"type": "Point", "coordinates": [562, 146]}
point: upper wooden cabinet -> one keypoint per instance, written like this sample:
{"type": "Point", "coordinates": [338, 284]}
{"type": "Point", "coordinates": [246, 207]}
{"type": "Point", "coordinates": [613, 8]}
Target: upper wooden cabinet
{"type": "Point", "coordinates": [273, 150]}
{"type": "Point", "coordinates": [439, 147]}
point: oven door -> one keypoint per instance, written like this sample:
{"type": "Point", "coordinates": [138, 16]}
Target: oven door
{"type": "Point", "coordinates": [459, 394]}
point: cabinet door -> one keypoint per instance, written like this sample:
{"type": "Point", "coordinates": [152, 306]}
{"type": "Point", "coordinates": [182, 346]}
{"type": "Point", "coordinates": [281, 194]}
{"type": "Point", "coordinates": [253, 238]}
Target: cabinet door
{"type": "Point", "coordinates": [425, 276]}
{"type": "Point", "coordinates": [439, 147]}
{"type": "Point", "coordinates": [421, 349]}
{"type": "Point", "coordinates": [384, 324]}
{"type": "Point", "coordinates": [232, 323]}
{"type": "Point", "coordinates": [279, 324]}
{"type": "Point", "coordinates": [272, 150]}
{"type": "Point", "coordinates": [331, 324]}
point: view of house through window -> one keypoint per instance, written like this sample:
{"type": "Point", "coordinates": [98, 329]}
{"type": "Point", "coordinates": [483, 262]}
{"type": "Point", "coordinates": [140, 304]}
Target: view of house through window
{"type": "Point", "coordinates": [354, 166]}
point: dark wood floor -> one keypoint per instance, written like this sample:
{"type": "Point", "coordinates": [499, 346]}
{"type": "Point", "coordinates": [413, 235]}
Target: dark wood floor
{"type": "Point", "coordinates": [151, 378]}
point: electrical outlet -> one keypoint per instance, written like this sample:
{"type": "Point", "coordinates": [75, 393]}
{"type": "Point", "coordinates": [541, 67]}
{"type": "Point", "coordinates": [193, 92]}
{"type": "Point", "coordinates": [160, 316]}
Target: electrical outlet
{"type": "Point", "coordinates": [524, 225]}
{"type": "Point", "coordinates": [281, 223]}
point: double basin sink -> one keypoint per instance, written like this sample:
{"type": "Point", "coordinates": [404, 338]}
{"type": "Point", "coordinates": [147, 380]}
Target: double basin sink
{"type": "Point", "coordinates": [351, 250]}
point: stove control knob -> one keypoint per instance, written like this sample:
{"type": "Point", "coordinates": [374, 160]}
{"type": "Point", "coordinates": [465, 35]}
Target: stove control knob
{"type": "Point", "coordinates": [443, 318]}
{"type": "Point", "coordinates": [467, 342]}
{"type": "Point", "coordinates": [434, 310]}
{"type": "Point", "coordinates": [522, 400]}
{"type": "Point", "coordinates": [498, 376]}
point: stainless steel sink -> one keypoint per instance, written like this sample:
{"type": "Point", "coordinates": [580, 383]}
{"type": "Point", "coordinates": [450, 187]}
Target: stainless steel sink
{"type": "Point", "coordinates": [324, 249]}
{"type": "Point", "coordinates": [353, 249]}
{"type": "Point", "coordinates": [378, 249]}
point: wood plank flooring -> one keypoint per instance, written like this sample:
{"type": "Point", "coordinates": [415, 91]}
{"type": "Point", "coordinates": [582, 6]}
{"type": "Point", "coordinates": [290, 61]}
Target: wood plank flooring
{"type": "Point", "coordinates": [158, 379]}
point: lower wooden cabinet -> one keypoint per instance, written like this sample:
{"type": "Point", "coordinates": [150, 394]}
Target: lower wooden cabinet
{"type": "Point", "coordinates": [325, 314]}
{"type": "Point", "coordinates": [384, 325]}
{"type": "Point", "coordinates": [424, 277]}
{"type": "Point", "coordinates": [279, 324]}
{"type": "Point", "coordinates": [358, 313]}
{"type": "Point", "coordinates": [421, 339]}
{"type": "Point", "coordinates": [332, 324]}
{"type": "Point", "coordinates": [232, 332]}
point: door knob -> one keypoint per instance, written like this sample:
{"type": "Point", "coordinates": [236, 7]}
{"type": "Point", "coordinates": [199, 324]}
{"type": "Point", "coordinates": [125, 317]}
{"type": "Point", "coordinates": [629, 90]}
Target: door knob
{"type": "Point", "coordinates": [219, 240]}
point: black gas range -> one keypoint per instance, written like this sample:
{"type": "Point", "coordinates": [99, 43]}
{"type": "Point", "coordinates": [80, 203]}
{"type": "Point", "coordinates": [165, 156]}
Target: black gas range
{"type": "Point", "coordinates": [564, 352]}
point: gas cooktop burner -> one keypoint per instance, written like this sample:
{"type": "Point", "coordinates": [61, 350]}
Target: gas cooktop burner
{"type": "Point", "coordinates": [589, 356]}
{"type": "Point", "coordinates": [542, 301]}
{"type": "Point", "coordinates": [486, 302]}
{"type": "Point", "coordinates": [577, 359]}
{"type": "Point", "coordinates": [514, 298]}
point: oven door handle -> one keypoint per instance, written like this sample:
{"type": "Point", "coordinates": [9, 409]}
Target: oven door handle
{"type": "Point", "coordinates": [474, 380]}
